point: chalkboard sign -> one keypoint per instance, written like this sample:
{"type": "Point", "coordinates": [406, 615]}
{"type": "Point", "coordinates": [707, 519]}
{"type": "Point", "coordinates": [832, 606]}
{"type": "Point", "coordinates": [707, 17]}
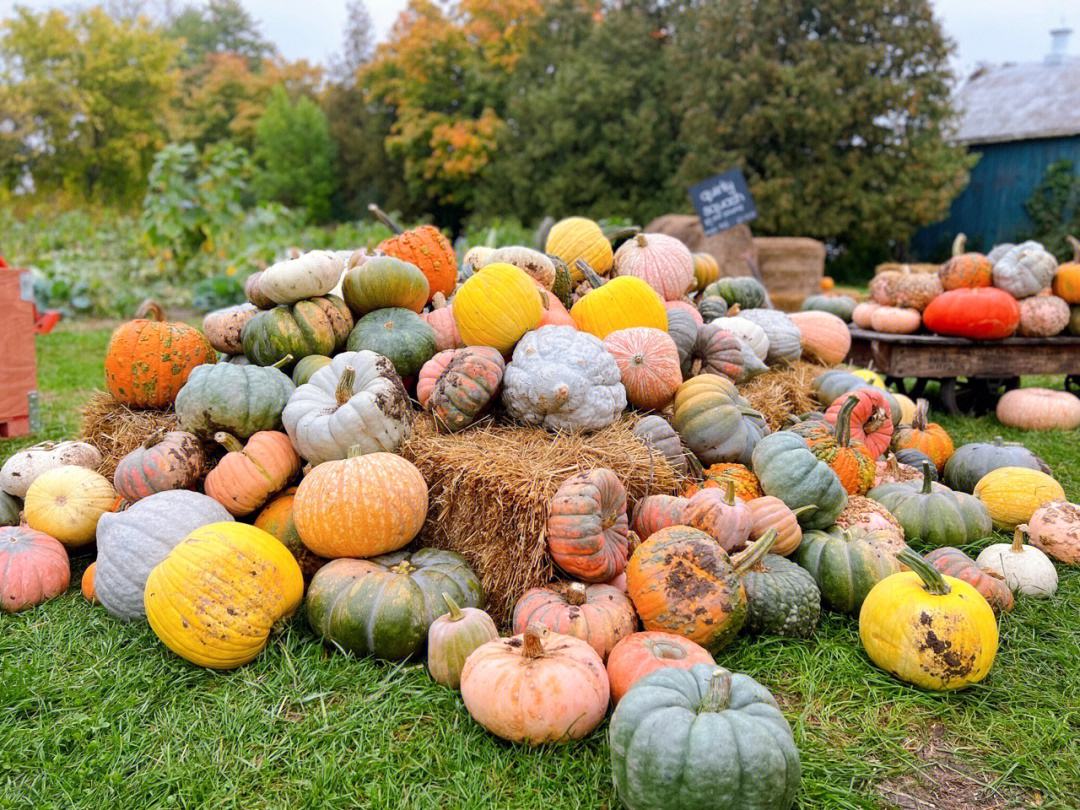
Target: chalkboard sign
{"type": "Point", "coordinates": [723, 201]}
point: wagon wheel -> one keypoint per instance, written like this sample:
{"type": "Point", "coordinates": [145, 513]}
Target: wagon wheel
{"type": "Point", "coordinates": [973, 396]}
{"type": "Point", "coordinates": [914, 391]}
{"type": "Point", "coordinates": [948, 396]}
{"type": "Point", "coordinates": [1072, 383]}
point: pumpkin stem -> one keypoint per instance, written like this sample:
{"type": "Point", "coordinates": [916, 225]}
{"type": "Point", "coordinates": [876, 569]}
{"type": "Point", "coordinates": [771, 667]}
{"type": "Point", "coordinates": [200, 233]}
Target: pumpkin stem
{"type": "Point", "coordinates": [403, 567]}
{"type": "Point", "coordinates": [621, 232]}
{"type": "Point", "coordinates": [575, 594]}
{"type": "Point", "coordinates": [151, 310]}
{"type": "Point", "coordinates": [455, 612]}
{"type": "Point", "coordinates": [802, 509]}
{"type": "Point", "coordinates": [542, 231]}
{"type": "Point", "coordinates": [344, 391]}
{"type": "Point", "coordinates": [229, 442]}
{"type": "Point", "coordinates": [729, 492]}
{"type": "Point", "coordinates": [641, 240]}
{"type": "Point", "coordinates": [384, 218]}
{"type": "Point", "coordinates": [927, 481]}
{"type": "Point", "coordinates": [590, 275]}
{"type": "Point", "coordinates": [931, 577]}
{"type": "Point", "coordinates": [958, 244]}
{"type": "Point", "coordinates": [876, 420]}
{"type": "Point", "coordinates": [1018, 539]}
{"type": "Point", "coordinates": [759, 550]}
{"type": "Point", "coordinates": [843, 421]}
{"type": "Point", "coordinates": [154, 438]}
{"type": "Point", "coordinates": [998, 442]}
{"type": "Point", "coordinates": [438, 301]}
{"type": "Point", "coordinates": [1075, 244]}
{"type": "Point", "coordinates": [284, 361]}
{"type": "Point", "coordinates": [354, 451]}
{"type": "Point", "coordinates": [919, 421]}
{"type": "Point", "coordinates": [533, 638]}
{"type": "Point", "coordinates": [733, 310]}
{"type": "Point", "coordinates": [717, 693]}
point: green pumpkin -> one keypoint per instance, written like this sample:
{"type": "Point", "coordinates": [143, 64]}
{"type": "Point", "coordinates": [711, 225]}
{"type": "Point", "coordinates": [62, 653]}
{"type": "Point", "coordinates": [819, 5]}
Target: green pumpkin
{"type": "Point", "coordinates": [240, 400]}
{"type": "Point", "coordinates": [563, 287]}
{"type": "Point", "coordinates": [399, 335]}
{"type": "Point", "coordinates": [839, 305]}
{"type": "Point", "coordinates": [782, 599]}
{"type": "Point", "coordinates": [383, 606]}
{"type": "Point", "coordinates": [682, 327]}
{"type": "Point", "coordinates": [788, 470]}
{"type": "Point", "coordinates": [971, 462]}
{"type": "Point", "coordinates": [303, 370]}
{"type": "Point", "coordinates": [845, 564]}
{"type": "Point", "coordinates": [1074, 320]}
{"type": "Point", "coordinates": [384, 282]}
{"type": "Point", "coordinates": [915, 458]}
{"type": "Point", "coordinates": [311, 326]}
{"type": "Point", "coordinates": [715, 422]}
{"type": "Point", "coordinates": [746, 291]}
{"type": "Point", "coordinates": [10, 509]}
{"type": "Point", "coordinates": [933, 514]}
{"type": "Point", "coordinates": [711, 307]}
{"type": "Point", "coordinates": [684, 739]}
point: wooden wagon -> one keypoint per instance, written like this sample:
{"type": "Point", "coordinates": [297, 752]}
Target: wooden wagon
{"type": "Point", "coordinates": [972, 374]}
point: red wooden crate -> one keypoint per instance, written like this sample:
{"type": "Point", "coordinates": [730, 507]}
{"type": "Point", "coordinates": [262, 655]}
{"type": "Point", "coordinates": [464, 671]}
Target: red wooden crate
{"type": "Point", "coordinates": [18, 363]}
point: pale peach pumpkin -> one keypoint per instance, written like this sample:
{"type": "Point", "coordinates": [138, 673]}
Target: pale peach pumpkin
{"type": "Point", "coordinates": [648, 362]}
{"type": "Point", "coordinates": [825, 336]}
{"type": "Point", "coordinates": [1039, 409]}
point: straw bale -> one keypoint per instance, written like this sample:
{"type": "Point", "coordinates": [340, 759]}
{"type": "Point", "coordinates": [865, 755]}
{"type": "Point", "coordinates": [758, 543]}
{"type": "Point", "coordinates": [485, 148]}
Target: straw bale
{"type": "Point", "coordinates": [115, 429]}
{"type": "Point", "coordinates": [782, 392]}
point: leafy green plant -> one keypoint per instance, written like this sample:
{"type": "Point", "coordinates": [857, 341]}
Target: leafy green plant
{"type": "Point", "coordinates": [1054, 207]}
{"type": "Point", "coordinates": [217, 292]}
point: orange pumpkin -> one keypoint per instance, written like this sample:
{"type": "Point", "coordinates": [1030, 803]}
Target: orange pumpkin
{"type": "Point", "coordinates": [926, 437]}
{"type": "Point", "coordinates": [832, 444]}
{"type": "Point", "coordinates": [648, 362]}
{"type": "Point", "coordinates": [424, 246]}
{"type": "Point", "coordinates": [360, 506]}
{"type": "Point", "coordinates": [430, 373]}
{"type": "Point", "coordinates": [148, 360]}
{"type": "Point", "coordinates": [656, 512]}
{"type": "Point", "coordinates": [276, 518]}
{"type": "Point", "coordinates": [871, 420]}
{"type": "Point", "coordinates": [770, 513]}
{"type": "Point", "coordinates": [250, 474]}
{"type": "Point", "coordinates": [587, 530]}
{"type": "Point", "coordinates": [86, 585]}
{"type": "Point", "coordinates": [965, 269]}
{"type": "Point", "coordinates": [641, 653]}
{"type": "Point", "coordinates": [1067, 278]}
{"type": "Point", "coordinates": [599, 615]}
{"type": "Point", "coordinates": [441, 320]}
{"type": "Point", "coordinates": [863, 314]}
{"type": "Point", "coordinates": [747, 486]}
{"type": "Point", "coordinates": [825, 337]}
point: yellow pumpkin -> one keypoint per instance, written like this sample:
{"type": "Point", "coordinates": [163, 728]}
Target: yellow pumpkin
{"type": "Point", "coordinates": [496, 306]}
{"type": "Point", "coordinates": [66, 502]}
{"type": "Point", "coordinates": [871, 377]}
{"type": "Point", "coordinates": [931, 630]}
{"type": "Point", "coordinates": [1012, 494]}
{"type": "Point", "coordinates": [576, 238]}
{"type": "Point", "coordinates": [621, 303]}
{"type": "Point", "coordinates": [214, 599]}
{"type": "Point", "coordinates": [907, 409]}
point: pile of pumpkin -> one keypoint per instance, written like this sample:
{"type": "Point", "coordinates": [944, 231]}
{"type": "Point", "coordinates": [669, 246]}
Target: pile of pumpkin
{"type": "Point", "coordinates": [1013, 290]}
{"type": "Point", "coordinates": [782, 524]}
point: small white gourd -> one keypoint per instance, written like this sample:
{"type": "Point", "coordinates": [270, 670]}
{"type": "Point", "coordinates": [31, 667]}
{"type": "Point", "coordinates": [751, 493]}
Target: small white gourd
{"type": "Point", "coordinates": [1024, 568]}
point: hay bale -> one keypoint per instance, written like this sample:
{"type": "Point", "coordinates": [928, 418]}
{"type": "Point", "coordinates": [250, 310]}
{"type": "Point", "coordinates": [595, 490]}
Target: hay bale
{"type": "Point", "coordinates": [115, 429]}
{"type": "Point", "coordinates": [781, 392]}
{"type": "Point", "coordinates": [490, 487]}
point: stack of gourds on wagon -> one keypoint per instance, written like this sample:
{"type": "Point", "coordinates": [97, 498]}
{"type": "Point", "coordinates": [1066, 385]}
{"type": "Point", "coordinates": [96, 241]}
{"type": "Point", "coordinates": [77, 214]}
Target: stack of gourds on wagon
{"type": "Point", "coordinates": [312, 398]}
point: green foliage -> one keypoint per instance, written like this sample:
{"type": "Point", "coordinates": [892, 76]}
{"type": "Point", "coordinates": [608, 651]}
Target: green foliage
{"type": "Point", "coordinates": [217, 26]}
{"type": "Point", "coordinates": [1054, 208]}
{"type": "Point", "coordinates": [295, 155]}
{"type": "Point", "coordinates": [217, 292]}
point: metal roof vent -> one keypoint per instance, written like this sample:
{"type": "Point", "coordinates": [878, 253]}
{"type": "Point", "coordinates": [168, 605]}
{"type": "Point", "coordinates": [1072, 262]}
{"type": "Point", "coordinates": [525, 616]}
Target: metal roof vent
{"type": "Point", "coordinates": [1059, 45]}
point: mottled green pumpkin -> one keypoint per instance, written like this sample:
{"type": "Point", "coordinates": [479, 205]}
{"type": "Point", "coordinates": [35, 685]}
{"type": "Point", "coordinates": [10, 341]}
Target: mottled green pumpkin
{"type": "Point", "coordinates": [845, 564]}
{"type": "Point", "coordinates": [682, 327]}
{"type": "Point", "coordinates": [303, 370]}
{"type": "Point", "coordinates": [782, 599]}
{"type": "Point", "coordinates": [686, 739]}
{"type": "Point", "coordinates": [383, 606]}
{"type": "Point", "coordinates": [915, 458]}
{"type": "Point", "coordinates": [384, 282]}
{"type": "Point", "coordinates": [746, 291]}
{"type": "Point", "coordinates": [563, 287]}
{"type": "Point", "coordinates": [240, 400]}
{"type": "Point", "coordinates": [399, 335]}
{"type": "Point", "coordinates": [311, 326]}
{"type": "Point", "coordinates": [715, 422]}
{"type": "Point", "coordinates": [10, 509]}
{"type": "Point", "coordinates": [788, 470]}
{"type": "Point", "coordinates": [842, 306]}
{"type": "Point", "coordinates": [712, 306]}
{"type": "Point", "coordinates": [933, 515]}
{"type": "Point", "coordinates": [971, 462]}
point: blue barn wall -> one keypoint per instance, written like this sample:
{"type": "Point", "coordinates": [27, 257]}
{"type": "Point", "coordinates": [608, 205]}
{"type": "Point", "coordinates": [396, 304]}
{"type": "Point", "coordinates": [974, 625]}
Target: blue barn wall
{"type": "Point", "coordinates": [991, 209]}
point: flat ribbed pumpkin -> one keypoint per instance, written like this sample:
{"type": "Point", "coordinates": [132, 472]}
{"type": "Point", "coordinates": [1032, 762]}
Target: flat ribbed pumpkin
{"type": "Point", "coordinates": [648, 361]}
{"type": "Point", "coordinates": [215, 598]}
{"type": "Point", "coordinates": [825, 336]}
{"type": "Point", "coordinates": [621, 303]}
{"type": "Point", "coordinates": [1012, 494]}
{"type": "Point", "coordinates": [599, 615]}
{"type": "Point", "coordinates": [67, 502]}
{"type": "Point", "coordinates": [576, 238]}
{"type": "Point", "coordinates": [496, 306]}
{"type": "Point", "coordinates": [33, 568]}
{"type": "Point", "coordinates": [587, 529]}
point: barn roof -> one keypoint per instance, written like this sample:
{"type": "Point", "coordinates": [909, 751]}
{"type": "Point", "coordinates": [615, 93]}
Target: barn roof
{"type": "Point", "coordinates": [1013, 102]}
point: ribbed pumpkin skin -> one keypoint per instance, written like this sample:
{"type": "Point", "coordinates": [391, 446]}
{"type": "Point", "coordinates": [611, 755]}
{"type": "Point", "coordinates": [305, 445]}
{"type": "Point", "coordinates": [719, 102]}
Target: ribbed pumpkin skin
{"type": "Point", "coordinates": [789, 471]}
{"type": "Point", "coordinates": [682, 327]}
{"type": "Point", "coordinates": [955, 563]}
{"type": "Point", "coordinates": [638, 654]}
{"type": "Point", "coordinates": [33, 568]}
{"type": "Point", "coordinates": [384, 606]}
{"type": "Point", "coordinates": [850, 460]}
{"type": "Point", "coordinates": [648, 361]}
{"type": "Point", "coordinates": [706, 270]}
{"type": "Point", "coordinates": [716, 351]}
{"type": "Point", "coordinates": [214, 599]}
{"type": "Point", "coordinates": [223, 327]}
{"type": "Point", "coordinates": [384, 282]}
{"type": "Point", "coordinates": [972, 461]}
{"type": "Point", "coordinates": [240, 400]}
{"type": "Point", "coordinates": [927, 437]}
{"type": "Point", "coordinates": [600, 615]}
{"type": "Point", "coordinates": [174, 460]}
{"type": "Point", "coordinates": [712, 307]}
{"type": "Point", "coordinates": [983, 313]}
{"type": "Point", "coordinates": [621, 303]}
{"type": "Point", "coordinates": [661, 261]}
{"type": "Point", "coordinates": [303, 371]}
{"type": "Point", "coordinates": [1012, 494]}
{"type": "Point", "coordinates": [656, 512]}
{"type": "Point", "coordinates": [466, 387]}
{"type": "Point", "coordinates": [441, 320]}
{"type": "Point", "coordinates": [496, 306]}
{"type": "Point", "coordinates": [576, 238]}
{"type": "Point", "coordinates": [452, 638]}
{"type": "Point", "coordinates": [658, 433]}
{"type": "Point", "coordinates": [430, 373]}
{"type": "Point", "coordinates": [782, 597]}
{"type": "Point", "coordinates": [587, 528]}
{"type": "Point", "coordinates": [361, 506]}
{"type": "Point", "coordinates": [311, 326]}
{"type": "Point", "coordinates": [131, 543]}
{"type": "Point", "coordinates": [147, 362]}
{"type": "Point", "coordinates": [276, 518]}
{"type": "Point", "coordinates": [67, 502]}
{"type": "Point", "coordinates": [746, 484]}
{"type": "Point", "coordinates": [400, 335]}
{"type": "Point", "coordinates": [430, 251]}
{"type": "Point", "coordinates": [721, 515]}
{"type": "Point", "coordinates": [785, 344]}
{"type": "Point", "coordinates": [1055, 529]}
{"type": "Point", "coordinates": [1025, 270]}
{"type": "Point", "coordinates": [933, 514]}
{"type": "Point", "coordinates": [842, 306]}
{"type": "Point", "coordinates": [682, 582]}
{"type": "Point", "coordinates": [871, 418]}
{"type": "Point", "coordinates": [845, 566]}
{"type": "Point", "coordinates": [716, 423]}
{"type": "Point", "coordinates": [745, 291]}
{"type": "Point", "coordinates": [1039, 409]}
{"type": "Point", "coordinates": [768, 513]}
{"type": "Point", "coordinates": [825, 336]}
{"type": "Point", "coordinates": [666, 741]}
{"type": "Point", "coordinates": [247, 477]}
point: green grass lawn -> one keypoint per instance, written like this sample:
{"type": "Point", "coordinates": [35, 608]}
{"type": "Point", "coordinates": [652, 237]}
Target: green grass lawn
{"type": "Point", "coordinates": [98, 714]}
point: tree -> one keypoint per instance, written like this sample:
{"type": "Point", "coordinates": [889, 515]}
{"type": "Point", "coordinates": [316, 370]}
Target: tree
{"type": "Point", "coordinates": [295, 155]}
{"type": "Point", "coordinates": [85, 99]}
{"type": "Point", "coordinates": [358, 45]}
{"type": "Point", "coordinates": [1054, 208]}
{"type": "Point", "coordinates": [218, 26]}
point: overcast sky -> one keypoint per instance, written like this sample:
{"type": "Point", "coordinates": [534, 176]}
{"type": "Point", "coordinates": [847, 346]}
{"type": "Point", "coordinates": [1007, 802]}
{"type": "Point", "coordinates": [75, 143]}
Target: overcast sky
{"type": "Point", "coordinates": [985, 30]}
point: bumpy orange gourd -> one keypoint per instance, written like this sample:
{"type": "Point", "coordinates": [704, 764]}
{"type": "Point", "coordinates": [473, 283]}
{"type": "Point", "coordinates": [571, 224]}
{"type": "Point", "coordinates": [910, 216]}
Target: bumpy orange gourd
{"type": "Point", "coordinates": [148, 361]}
{"type": "Point", "coordinates": [926, 437]}
{"type": "Point", "coordinates": [1067, 278]}
{"type": "Point", "coordinates": [648, 362]}
{"type": "Point", "coordinates": [599, 615]}
{"type": "Point", "coordinates": [424, 246]}
{"type": "Point", "coordinates": [587, 530]}
{"type": "Point", "coordinates": [965, 269]}
{"type": "Point", "coordinates": [747, 486]}
{"type": "Point", "coordinates": [249, 475]}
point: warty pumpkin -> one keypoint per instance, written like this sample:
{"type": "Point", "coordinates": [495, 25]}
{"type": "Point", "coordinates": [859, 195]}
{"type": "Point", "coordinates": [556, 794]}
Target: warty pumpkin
{"type": "Point", "coordinates": [383, 282]}
{"type": "Point", "coordinates": [965, 269]}
{"type": "Point", "coordinates": [250, 474]}
{"type": "Point", "coordinates": [425, 247]}
{"type": "Point", "coordinates": [166, 460]}
{"type": "Point", "coordinates": [955, 563]}
{"type": "Point", "coordinates": [832, 444]}
{"type": "Point", "coordinates": [306, 327]}
{"type": "Point", "coordinates": [33, 568]}
{"type": "Point", "coordinates": [1012, 494]}
{"type": "Point", "coordinates": [638, 654]}
{"type": "Point", "coordinates": [587, 529]}
{"type": "Point", "coordinates": [598, 614]}
{"type": "Point", "coordinates": [661, 261]}
{"type": "Point", "coordinates": [1043, 316]}
{"type": "Point", "coordinates": [1067, 279]}
{"type": "Point", "coordinates": [927, 437]}
{"type": "Point", "coordinates": [648, 362]}
{"type": "Point", "coordinates": [621, 303]}
{"type": "Point", "coordinates": [1055, 528]}
{"type": "Point", "coordinates": [983, 313]}
{"type": "Point", "coordinates": [67, 502]}
{"type": "Point", "coordinates": [1039, 409]}
{"type": "Point", "coordinates": [452, 638]}
{"type": "Point", "coordinates": [905, 289]}
{"type": "Point", "coordinates": [496, 306]}
{"type": "Point", "coordinates": [216, 596]}
{"type": "Point", "coordinates": [576, 238]}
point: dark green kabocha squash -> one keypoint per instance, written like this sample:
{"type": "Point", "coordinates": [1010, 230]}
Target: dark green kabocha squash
{"type": "Point", "coordinates": [915, 458]}
{"type": "Point", "coordinates": [711, 307]}
{"type": "Point", "coordinates": [400, 335]}
{"type": "Point", "coordinates": [782, 598]}
{"type": "Point", "coordinates": [845, 564]}
{"type": "Point", "coordinates": [966, 467]}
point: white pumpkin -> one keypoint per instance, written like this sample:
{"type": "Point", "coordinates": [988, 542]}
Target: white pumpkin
{"type": "Point", "coordinates": [1024, 568]}
{"type": "Point", "coordinates": [749, 332]}
{"type": "Point", "coordinates": [330, 413]}
{"type": "Point", "coordinates": [21, 470]}
{"type": "Point", "coordinates": [785, 339]}
{"type": "Point", "coordinates": [536, 264]}
{"type": "Point", "coordinates": [563, 379]}
{"type": "Point", "coordinates": [1025, 270]}
{"type": "Point", "coordinates": [132, 542]}
{"type": "Point", "coordinates": [305, 275]}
